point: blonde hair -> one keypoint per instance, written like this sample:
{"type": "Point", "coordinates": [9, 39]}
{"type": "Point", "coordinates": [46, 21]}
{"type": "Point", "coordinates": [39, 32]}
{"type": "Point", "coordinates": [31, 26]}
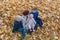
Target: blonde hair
{"type": "Point", "coordinates": [18, 18]}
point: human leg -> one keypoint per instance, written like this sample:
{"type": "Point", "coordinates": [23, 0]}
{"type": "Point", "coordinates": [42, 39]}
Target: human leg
{"type": "Point", "coordinates": [36, 26]}
{"type": "Point", "coordinates": [39, 21]}
{"type": "Point", "coordinates": [23, 30]}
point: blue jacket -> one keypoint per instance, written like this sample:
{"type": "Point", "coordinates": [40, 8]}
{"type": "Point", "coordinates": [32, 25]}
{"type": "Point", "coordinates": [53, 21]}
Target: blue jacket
{"type": "Point", "coordinates": [37, 19]}
{"type": "Point", "coordinates": [35, 14]}
{"type": "Point", "coordinates": [17, 25]}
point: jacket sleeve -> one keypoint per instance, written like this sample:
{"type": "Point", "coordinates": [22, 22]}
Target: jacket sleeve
{"type": "Point", "coordinates": [36, 14]}
{"type": "Point", "coordinates": [23, 21]}
{"type": "Point", "coordinates": [15, 26]}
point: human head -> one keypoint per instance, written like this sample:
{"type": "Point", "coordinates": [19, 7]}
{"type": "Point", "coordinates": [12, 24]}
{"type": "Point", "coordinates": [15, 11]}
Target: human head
{"type": "Point", "coordinates": [26, 12]}
{"type": "Point", "coordinates": [31, 15]}
{"type": "Point", "coordinates": [18, 18]}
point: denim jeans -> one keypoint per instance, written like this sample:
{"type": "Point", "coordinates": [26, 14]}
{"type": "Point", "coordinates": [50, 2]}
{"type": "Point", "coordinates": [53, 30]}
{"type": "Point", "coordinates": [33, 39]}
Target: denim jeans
{"type": "Point", "coordinates": [19, 27]}
{"type": "Point", "coordinates": [38, 23]}
{"type": "Point", "coordinates": [23, 30]}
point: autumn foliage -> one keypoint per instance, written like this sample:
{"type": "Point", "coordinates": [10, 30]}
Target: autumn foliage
{"type": "Point", "coordinates": [49, 12]}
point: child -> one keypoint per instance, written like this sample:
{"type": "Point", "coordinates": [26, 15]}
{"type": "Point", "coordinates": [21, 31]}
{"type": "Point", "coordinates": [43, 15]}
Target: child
{"type": "Point", "coordinates": [24, 19]}
{"type": "Point", "coordinates": [18, 25]}
{"type": "Point", "coordinates": [31, 23]}
{"type": "Point", "coordinates": [37, 19]}
{"type": "Point", "coordinates": [28, 21]}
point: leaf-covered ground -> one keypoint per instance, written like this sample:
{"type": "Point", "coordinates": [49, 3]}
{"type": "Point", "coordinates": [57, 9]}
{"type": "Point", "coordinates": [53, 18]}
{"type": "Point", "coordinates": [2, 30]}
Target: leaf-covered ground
{"type": "Point", "coordinates": [49, 12]}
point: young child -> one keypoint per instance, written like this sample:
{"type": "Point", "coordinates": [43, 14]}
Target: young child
{"type": "Point", "coordinates": [31, 23]}
{"type": "Point", "coordinates": [24, 18]}
{"type": "Point", "coordinates": [18, 26]}
{"type": "Point", "coordinates": [36, 18]}
{"type": "Point", "coordinates": [28, 21]}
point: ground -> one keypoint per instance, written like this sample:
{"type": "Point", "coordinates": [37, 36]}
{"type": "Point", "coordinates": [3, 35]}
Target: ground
{"type": "Point", "coordinates": [49, 12]}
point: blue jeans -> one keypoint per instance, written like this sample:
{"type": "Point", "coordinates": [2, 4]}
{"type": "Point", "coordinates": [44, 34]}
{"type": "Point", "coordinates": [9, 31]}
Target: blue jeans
{"type": "Point", "coordinates": [36, 26]}
{"type": "Point", "coordinates": [23, 30]}
{"type": "Point", "coordinates": [38, 23]}
{"type": "Point", "coordinates": [19, 27]}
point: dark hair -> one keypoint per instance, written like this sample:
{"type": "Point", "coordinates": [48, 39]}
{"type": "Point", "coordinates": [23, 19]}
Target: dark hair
{"type": "Point", "coordinates": [26, 12]}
